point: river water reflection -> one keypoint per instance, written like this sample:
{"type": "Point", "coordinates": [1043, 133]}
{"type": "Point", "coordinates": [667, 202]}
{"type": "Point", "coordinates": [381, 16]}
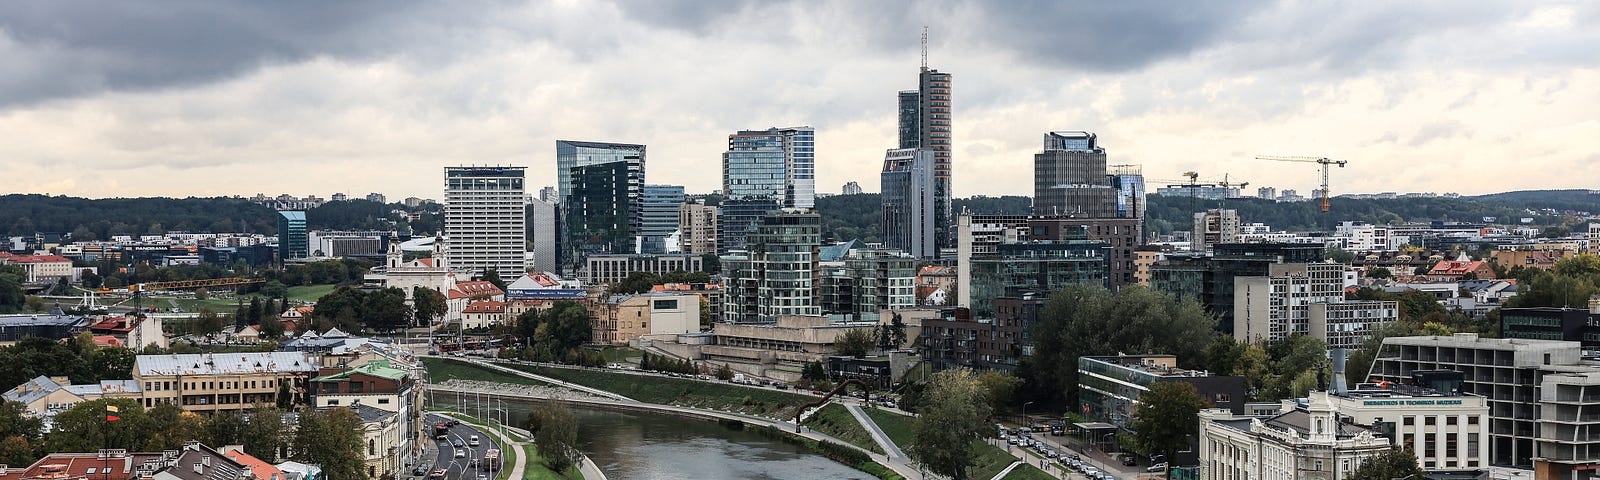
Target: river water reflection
{"type": "Point", "coordinates": [629, 446]}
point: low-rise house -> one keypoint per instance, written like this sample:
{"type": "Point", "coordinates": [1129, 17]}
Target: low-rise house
{"type": "Point", "coordinates": [134, 332]}
{"type": "Point", "coordinates": [44, 397]}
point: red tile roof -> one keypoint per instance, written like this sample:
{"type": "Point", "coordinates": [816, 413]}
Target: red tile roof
{"type": "Point", "coordinates": [262, 470]}
{"type": "Point", "coordinates": [113, 324]}
{"type": "Point", "coordinates": [485, 306]}
{"type": "Point", "coordinates": [107, 341]}
{"type": "Point", "coordinates": [40, 259]}
{"type": "Point", "coordinates": [1455, 268]}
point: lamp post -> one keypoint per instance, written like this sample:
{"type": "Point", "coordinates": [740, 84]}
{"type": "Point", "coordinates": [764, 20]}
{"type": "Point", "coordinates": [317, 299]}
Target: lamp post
{"type": "Point", "coordinates": [1025, 421]}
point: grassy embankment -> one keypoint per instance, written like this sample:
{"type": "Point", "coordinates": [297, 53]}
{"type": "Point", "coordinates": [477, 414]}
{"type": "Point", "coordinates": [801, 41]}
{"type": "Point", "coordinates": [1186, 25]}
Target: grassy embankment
{"type": "Point", "coordinates": [681, 392]}
{"type": "Point", "coordinates": [1027, 472]}
{"type": "Point", "coordinates": [990, 459]}
{"type": "Point", "coordinates": [624, 355]}
{"type": "Point", "coordinates": [836, 420]}
{"type": "Point", "coordinates": [441, 370]}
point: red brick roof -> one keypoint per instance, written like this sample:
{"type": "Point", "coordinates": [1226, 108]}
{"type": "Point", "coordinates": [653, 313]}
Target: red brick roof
{"type": "Point", "coordinates": [1455, 268]}
{"type": "Point", "coordinates": [485, 306]}
{"type": "Point", "coordinates": [479, 287]}
{"type": "Point", "coordinates": [107, 341]}
{"type": "Point", "coordinates": [262, 470]}
{"type": "Point", "coordinates": [40, 259]}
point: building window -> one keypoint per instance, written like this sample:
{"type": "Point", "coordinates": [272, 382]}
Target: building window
{"type": "Point", "coordinates": [1450, 420]}
{"type": "Point", "coordinates": [1430, 420]}
{"type": "Point", "coordinates": [1409, 420]}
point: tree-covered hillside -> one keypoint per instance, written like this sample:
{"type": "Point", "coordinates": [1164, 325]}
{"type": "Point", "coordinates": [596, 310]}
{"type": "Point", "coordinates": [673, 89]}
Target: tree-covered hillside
{"type": "Point", "coordinates": [99, 219]}
{"type": "Point", "coordinates": [1166, 214]}
{"type": "Point", "coordinates": [846, 217]}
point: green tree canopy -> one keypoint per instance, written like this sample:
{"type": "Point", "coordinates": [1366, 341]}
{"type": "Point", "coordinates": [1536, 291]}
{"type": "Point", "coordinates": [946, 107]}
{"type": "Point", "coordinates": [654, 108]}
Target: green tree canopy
{"type": "Point", "coordinates": [331, 438]}
{"type": "Point", "coordinates": [1389, 465]}
{"type": "Point", "coordinates": [854, 342]}
{"type": "Point", "coordinates": [429, 304]}
{"type": "Point", "coordinates": [557, 436]}
{"type": "Point", "coordinates": [953, 415]}
{"type": "Point", "coordinates": [1081, 320]}
{"type": "Point", "coordinates": [1165, 417]}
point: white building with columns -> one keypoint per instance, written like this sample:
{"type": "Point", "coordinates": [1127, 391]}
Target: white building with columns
{"type": "Point", "coordinates": [1308, 442]}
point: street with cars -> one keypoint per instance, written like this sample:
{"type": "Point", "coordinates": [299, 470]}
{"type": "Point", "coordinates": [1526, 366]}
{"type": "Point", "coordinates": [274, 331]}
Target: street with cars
{"type": "Point", "coordinates": [461, 453]}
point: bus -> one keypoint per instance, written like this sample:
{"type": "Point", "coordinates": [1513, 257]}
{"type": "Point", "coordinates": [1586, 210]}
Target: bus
{"type": "Point", "coordinates": [491, 459]}
{"type": "Point", "coordinates": [440, 431]}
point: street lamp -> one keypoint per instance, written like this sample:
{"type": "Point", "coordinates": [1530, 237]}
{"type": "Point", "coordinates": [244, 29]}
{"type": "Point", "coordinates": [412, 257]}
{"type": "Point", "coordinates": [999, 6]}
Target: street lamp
{"type": "Point", "coordinates": [1025, 412]}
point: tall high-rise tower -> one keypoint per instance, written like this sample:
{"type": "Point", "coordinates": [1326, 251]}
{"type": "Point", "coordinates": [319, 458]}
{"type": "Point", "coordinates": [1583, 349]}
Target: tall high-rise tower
{"type": "Point", "coordinates": [608, 179]}
{"type": "Point", "coordinates": [1069, 177]}
{"type": "Point", "coordinates": [907, 201]}
{"type": "Point", "coordinates": [485, 223]}
{"type": "Point", "coordinates": [762, 171]}
{"type": "Point", "coordinates": [925, 123]}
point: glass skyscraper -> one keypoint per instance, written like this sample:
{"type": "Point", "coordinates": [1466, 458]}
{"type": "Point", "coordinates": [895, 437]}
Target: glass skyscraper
{"type": "Point", "coordinates": [924, 116]}
{"type": "Point", "coordinates": [1069, 177]}
{"type": "Point", "coordinates": [907, 201]}
{"type": "Point", "coordinates": [764, 170]}
{"type": "Point", "coordinates": [292, 237]}
{"type": "Point", "coordinates": [625, 162]}
{"type": "Point", "coordinates": [658, 217]}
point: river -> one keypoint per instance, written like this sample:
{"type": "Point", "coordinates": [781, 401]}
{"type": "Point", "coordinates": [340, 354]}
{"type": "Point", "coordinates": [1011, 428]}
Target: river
{"type": "Point", "coordinates": [628, 446]}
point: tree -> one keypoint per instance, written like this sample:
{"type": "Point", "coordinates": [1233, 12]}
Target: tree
{"type": "Point", "coordinates": [85, 428]}
{"type": "Point", "coordinates": [725, 373]}
{"type": "Point", "coordinates": [558, 436]}
{"type": "Point", "coordinates": [208, 323]}
{"type": "Point", "coordinates": [813, 371]}
{"type": "Point", "coordinates": [285, 398]}
{"type": "Point", "coordinates": [953, 415]}
{"type": "Point", "coordinates": [1165, 417]}
{"type": "Point", "coordinates": [1389, 465]}
{"type": "Point", "coordinates": [385, 310]}
{"type": "Point", "coordinates": [1379, 272]}
{"type": "Point", "coordinates": [493, 276]}
{"type": "Point", "coordinates": [428, 304]}
{"type": "Point", "coordinates": [897, 331]}
{"type": "Point", "coordinates": [225, 428]}
{"type": "Point", "coordinates": [1341, 256]}
{"type": "Point", "coordinates": [263, 434]}
{"type": "Point", "coordinates": [271, 327]}
{"type": "Point", "coordinates": [1000, 388]}
{"type": "Point", "coordinates": [275, 289]}
{"type": "Point", "coordinates": [854, 342]}
{"type": "Point", "coordinates": [1436, 328]}
{"type": "Point", "coordinates": [636, 282]}
{"type": "Point", "coordinates": [170, 427]}
{"type": "Point", "coordinates": [331, 438]}
{"type": "Point", "coordinates": [201, 294]}
{"type": "Point", "coordinates": [19, 432]}
{"type": "Point", "coordinates": [1081, 320]}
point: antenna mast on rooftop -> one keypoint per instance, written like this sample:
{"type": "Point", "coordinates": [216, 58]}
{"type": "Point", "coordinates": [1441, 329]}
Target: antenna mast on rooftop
{"type": "Point", "coordinates": [924, 47]}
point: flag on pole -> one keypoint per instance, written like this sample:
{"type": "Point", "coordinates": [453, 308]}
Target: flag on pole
{"type": "Point", "coordinates": [111, 413]}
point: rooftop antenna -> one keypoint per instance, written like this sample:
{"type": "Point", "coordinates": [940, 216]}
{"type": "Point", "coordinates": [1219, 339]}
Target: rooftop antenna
{"type": "Point", "coordinates": [924, 48]}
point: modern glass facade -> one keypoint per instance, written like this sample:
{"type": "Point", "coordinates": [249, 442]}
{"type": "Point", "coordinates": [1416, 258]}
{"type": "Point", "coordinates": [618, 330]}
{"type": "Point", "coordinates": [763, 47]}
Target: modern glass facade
{"type": "Point", "coordinates": [777, 274]}
{"type": "Point", "coordinates": [764, 170]}
{"type": "Point", "coordinates": [600, 214]}
{"type": "Point", "coordinates": [292, 238]}
{"type": "Point", "coordinates": [658, 217]}
{"type": "Point", "coordinates": [571, 154]}
{"type": "Point", "coordinates": [924, 122]}
{"type": "Point", "coordinates": [485, 219]}
{"type": "Point", "coordinates": [1034, 266]}
{"type": "Point", "coordinates": [1069, 177]}
{"type": "Point", "coordinates": [1128, 180]}
{"type": "Point", "coordinates": [867, 281]}
{"type": "Point", "coordinates": [907, 201]}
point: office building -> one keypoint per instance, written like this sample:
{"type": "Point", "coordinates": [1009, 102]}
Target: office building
{"type": "Point", "coordinates": [857, 282]}
{"type": "Point", "coordinates": [1069, 177]}
{"type": "Point", "coordinates": [1306, 299]}
{"type": "Point", "coordinates": [658, 218]}
{"type": "Point", "coordinates": [622, 318]}
{"type": "Point", "coordinates": [777, 275]}
{"type": "Point", "coordinates": [1306, 443]}
{"type": "Point", "coordinates": [543, 230]}
{"type": "Point", "coordinates": [1200, 191]}
{"type": "Point", "coordinates": [1123, 235]}
{"type": "Point", "coordinates": [1109, 387]}
{"type": "Point", "coordinates": [613, 182]}
{"type": "Point", "coordinates": [485, 220]}
{"type": "Point", "coordinates": [851, 188]}
{"type": "Point", "coordinates": [1210, 278]}
{"type": "Point", "coordinates": [1533, 387]}
{"type": "Point", "coordinates": [1548, 323]}
{"type": "Point", "coordinates": [907, 184]}
{"type": "Point", "coordinates": [1128, 181]}
{"type": "Point", "coordinates": [925, 122]}
{"type": "Point", "coordinates": [292, 241]}
{"type": "Point", "coordinates": [607, 269]}
{"type": "Point", "coordinates": [762, 171]}
{"type": "Point", "coordinates": [602, 214]}
{"type": "Point", "coordinates": [697, 227]}
{"type": "Point", "coordinates": [997, 257]}
{"type": "Point", "coordinates": [1446, 428]}
{"type": "Point", "coordinates": [1214, 226]}
{"type": "Point", "coordinates": [340, 244]}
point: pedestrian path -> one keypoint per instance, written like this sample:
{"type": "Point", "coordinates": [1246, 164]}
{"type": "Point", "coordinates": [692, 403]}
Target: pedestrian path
{"type": "Point", "coordinates": [889, 448]}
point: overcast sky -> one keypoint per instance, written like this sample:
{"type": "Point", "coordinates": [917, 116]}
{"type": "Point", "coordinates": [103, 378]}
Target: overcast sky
{"type": "Point", "coordinates": [207, 98]}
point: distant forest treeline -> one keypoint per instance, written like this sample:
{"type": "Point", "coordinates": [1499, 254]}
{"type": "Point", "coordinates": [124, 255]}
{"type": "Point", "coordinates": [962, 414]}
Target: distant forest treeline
{"type": "Point", "coordinates": [844, 217]}
{"type": "Point", "coordinates": [100, 219]}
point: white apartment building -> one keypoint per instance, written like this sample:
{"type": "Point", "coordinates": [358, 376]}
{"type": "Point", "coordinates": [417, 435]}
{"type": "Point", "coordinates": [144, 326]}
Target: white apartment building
{"type": "Point", "coordinates": [484, 220]}
{"type": "Point", "coordinates": [1305, 298]}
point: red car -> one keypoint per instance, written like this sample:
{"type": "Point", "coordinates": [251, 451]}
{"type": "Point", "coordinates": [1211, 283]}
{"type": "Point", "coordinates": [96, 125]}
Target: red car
{"type": "Point", "coordinates": [437, 474]}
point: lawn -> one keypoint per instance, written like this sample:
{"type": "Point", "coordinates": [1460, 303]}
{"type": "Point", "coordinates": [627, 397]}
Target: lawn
{"type": "Point", "coordinates": [836, 420]}
{"type": "Point", "coordinates": [898, 427]}
{"type": "Point", "coordinates": [537, 469]}
{"type": "Point", "coordinates": [678, 391]}
{"type": "Point", "coordinates": [441, 370]}
{"type": "Point", "coordinates": [1027, 472]}
{"type": "Point", "coordinates": [621, 355]}
{"type": "Point", "coordinates": [309, 293]}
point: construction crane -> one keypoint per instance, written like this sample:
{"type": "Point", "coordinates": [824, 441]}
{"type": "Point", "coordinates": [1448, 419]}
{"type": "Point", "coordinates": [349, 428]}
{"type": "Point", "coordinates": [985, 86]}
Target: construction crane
{"type": "Point", "coordinates": [1324, 161]}
{"type": "Point", "coordinates": [183, 285]}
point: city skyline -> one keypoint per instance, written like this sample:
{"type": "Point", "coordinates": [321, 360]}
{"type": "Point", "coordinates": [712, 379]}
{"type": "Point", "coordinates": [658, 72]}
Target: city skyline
{"type": "Point", "coordinates": [115, 103]}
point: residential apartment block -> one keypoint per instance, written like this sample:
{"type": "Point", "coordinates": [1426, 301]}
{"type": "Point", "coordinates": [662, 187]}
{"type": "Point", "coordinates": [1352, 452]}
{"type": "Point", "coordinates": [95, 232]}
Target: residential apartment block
{"type": "Point", "coordinates": [223, 381]}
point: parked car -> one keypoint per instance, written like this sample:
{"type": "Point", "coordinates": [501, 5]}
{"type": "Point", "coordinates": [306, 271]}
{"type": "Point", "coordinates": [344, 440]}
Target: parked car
{"type": "Point", "coordinates": [421, 469]}
{"type": "Point", "coordinates": [437, 474]}
{"type": "Point", "coordinates": [1159, 467]}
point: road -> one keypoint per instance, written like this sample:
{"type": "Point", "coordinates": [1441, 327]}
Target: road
{"type": "Point", "coordinates": [461, 468]}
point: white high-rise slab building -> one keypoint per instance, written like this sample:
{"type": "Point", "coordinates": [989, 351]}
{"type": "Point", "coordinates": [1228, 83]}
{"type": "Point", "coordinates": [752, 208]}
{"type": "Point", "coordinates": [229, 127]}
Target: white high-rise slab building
{"type": "Point", "coordinates": [484, 221]}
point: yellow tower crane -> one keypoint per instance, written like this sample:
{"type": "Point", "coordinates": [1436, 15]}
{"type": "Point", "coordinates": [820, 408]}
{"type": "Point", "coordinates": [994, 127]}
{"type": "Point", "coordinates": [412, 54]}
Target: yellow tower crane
{"type": "Point", "coordinates": [1324, 161]}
